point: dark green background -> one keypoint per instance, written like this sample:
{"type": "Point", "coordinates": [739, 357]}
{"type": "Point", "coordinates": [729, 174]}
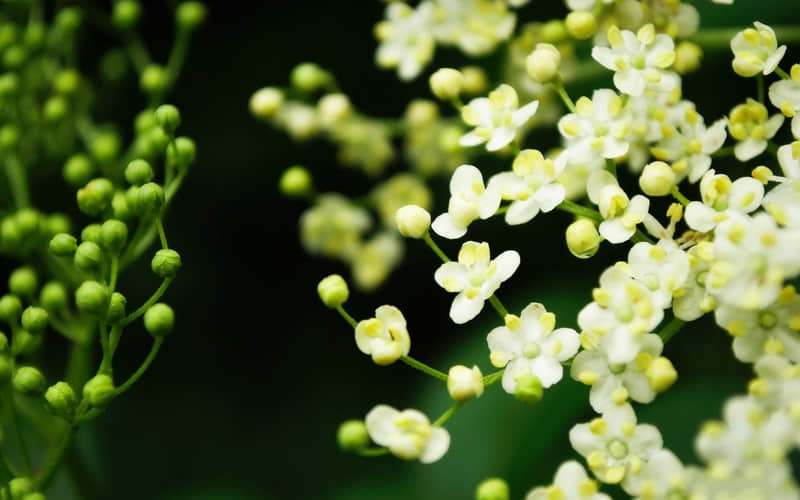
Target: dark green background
{"type": "Point", "coordinates": [245, 398]}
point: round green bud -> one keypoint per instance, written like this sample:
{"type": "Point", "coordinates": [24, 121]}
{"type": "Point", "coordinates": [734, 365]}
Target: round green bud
{"type": "Point", "coordinates": [543, 63]}
{"type": "Point", "coordinates": [99, 390]}
{"type": "Point", "coordinates": [412, 221]}
{"type": "Point", "coordinates": [493, 488]}
{"type": "Point", "coordinates": [58, 223]}
{"type": "Point", "coordinates": [126, 14]}
{"type": "Point", "coordinates": [352, 435]}
{"type": "Point", "coordinates": [105, 147]}
{"type": "Point", "coordinates": [308, 77]}
{"type": "Point", "coordinates": [168, 118]}
{"type": "Point", "coordinates": [61, 399]}
{"type": "Point", "coordinates": [28, 221]}
{"type": "Point", "coordinates": [28, 380]}
{"type": "Point", "coordinates": [63, 245]}
{"type": "Point", "coordinates": [190, 15]}
{"type": "Point", "coordinates": [9, 84]}
{"type": "Point", "coordinates": [34, 319]}
{"type": "Point", "coordinates": [114, 65]}
{"type": "Point", "coordinates": [138, 172]}
{"type": "Point", "coordinates": [657, 179]}
{"type": "Point", "coordinates": [93, 233]}
{"type": "Point", "coordinates": [581, 25]}
{"type": "Point", "coordinates": [150, 198]}
{"type": "Point", "coordinates": [446, 83]}
{"type": "Point", "coordinates": [132, 199]}
{"type": "Point", "coordinates": [166, 263]}
{"type": "Point", "coordinates": [15, 56]}
{"type": "Point", "coordinates": [182, 153]}
{"type": "Point", "coordinates": [95, 197]}
{"type": "Point", "coordinates": [159, 319]}
{"type": "Point", "coordinates": [333, 291]}
{"type": "Point", "coordinates": [10, 309]}
{"type": "Point", "coordinates": [145, 120]}
{"type": "Point", "coordinates": [35, 34]}
{"type": "Point", "coordinates": [9, 137]}
{"type": "Point", "coordinates": [55, 109]}
{"type": "Point", "coordinates": [119, 206]}
{"type": "Point", "coordinates": [77, 170]}
{"type": "Point", "coordinates": [114, 235]}
{"type": "Point", "coordinates": [53, 296]}
{"type": "Point", "coordinates": [154, 79]}
{"type": "Point", "coordinates": [529, 389]}
{"type": "Point", "coordinates": [10, 233]}
{"type": "Point", "coordinates": [23, 281]}
{"type": "Point", "coordinates": [152, 143]}
{"type": "Point", "coordinates": [92, 297]}
{"type": "Point", "coordinates": [295, 181]}
{"type": "Point", "coordinates": [3, 343]}
{"type": "Point", "coordinates": [116, 308]}
{"type": "Point", "coordinates": [583, 240]}
{"type": "Point", "coordinates": [6, 367]}
{"type": "Point", "coordinates": [554, 31]}
{"type": "Point", "coordinates": [88, 257]}
{"type": "Point", "coordinates": [67, 82]}
{"type": "Point", "coordinates": [24, 342]}
{"type": "Point", "coordinates": [265, 102]}
{"type": "Point", "coordinates": [68, 19]}
{"type": "Point", "coordinates": [20, 486]}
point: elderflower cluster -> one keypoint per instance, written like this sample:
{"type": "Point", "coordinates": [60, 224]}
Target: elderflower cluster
{"type": "Point", "coordinates": [724, 243]}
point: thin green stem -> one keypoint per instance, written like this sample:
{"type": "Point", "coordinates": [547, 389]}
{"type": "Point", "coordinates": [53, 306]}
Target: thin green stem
{"type": "Point", "coordinates": [105, 363]}
{"type": "Point", "coordinates": [676, 193]}
{"type": "Point", "coordinates": [493, 378]}
{"type": "Point", "coordinates": [137, 53]}
{"type": "Point", "coordinates": [670, 329]}
{"type": "Point", "coordinates": [17, 181]}
{"type": "Point", "coordinates": [346, 316]}
{"type": "Point", "coordinates": [581, 211]}
{"type": "Point", "coordinates": [373, 452]}
{"type": "Point", "coordinates": [144, 307]}
{"type": "Point", "coordinates": [498, 306]}
{"type": "Point", "coordinates": [143, 368]}
{"type": "Point", "coordinates": [781, 73]}
{"type": "Point", "coordinates": [161, 234]}
{"type": "Point", "coordinates": [19, 439]}
{"type": "Point", "coordinates": [723, 152]}
{"type": "Point", "coordinates": [113, 274]}
{"type": "Point", "coordinates": [178, 55]}
{"type": "Point", "coordinates": [562, 93]}
{"type": "Point", "coordinates": [720, 38]}
{"type": "Point", "coordinates": [449, 413]}
{"type": "Point", "coordinates": [432, 244]}
{"type": "Point", "coordinates": [51, 466]}
{"type": "Point", "coordinates": [760, 87]}
{"type": "Point", "coordinates": [433, 372]}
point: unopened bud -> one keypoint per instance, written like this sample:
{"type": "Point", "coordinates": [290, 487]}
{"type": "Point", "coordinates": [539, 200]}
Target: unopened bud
{"type": "Point", "coordinates": [583, 240]}
{"type": "Point", "coordinates": [446, 83]}
{"type": "Point", "coordinates": [412, 221]}
{"type": "Point", "coordinates": [166, 263]}
{"type": "Point", "coordinates": [333, 291]}
{"type": "Point", "coordinates": [543, 63]}
{"type": "Point", "coordinates": [464, 383]}
{"type": "Point", "coordinates": [28, 380]}
{"type": "Point", "coordinates": [92, 297]}
{"type": "Point", "coordinates": [159, 319]}
{"type": "Point", "coordinates": [493, 488]}
{"type": "Point", "coordinates": [266, 102]}
{"type": "Point", "coordinates": [352, 435]}
{"type": "Point", "coordinates": [99, 390]}
{"type": "Point", "coordinates": [63, 245]}
{"type": "Point", "coordinates": [661, 374]}
{"type": "Point", "coordinates": [529, 389]}
{"type": "Point", "coordinates": [581, 25]}
{"type": "Point", "coordinates": [23, 281]}
{"type": "Point", "coordinates": [657, 179]}
{"type": "Point", "coordinates": [34, 319]}
{"type": "Point", "coordinates": [61, 399]}
{"type": "Point", "coordinates": [95, 197]}
{"type": "Point", "coordinates": [295, 181]}
{"type": "Point", "coordinates": [688, 56]}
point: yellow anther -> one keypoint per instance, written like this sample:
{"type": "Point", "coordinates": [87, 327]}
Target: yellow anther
{"type": "Point", "coordinates": [548, 321]}
{"type": "Point", "coordinates": [512, 322]}
{"type": "Point", "coordinates": [762, 174]}
{"type": "Point", "coordinates": [598, 426]}
{"type": "Point", "coordinates": [588, 377]}
{"type": "Point", "coordinates": [737, 328]}
{"type": "Point", "coordinates": [628, 428]}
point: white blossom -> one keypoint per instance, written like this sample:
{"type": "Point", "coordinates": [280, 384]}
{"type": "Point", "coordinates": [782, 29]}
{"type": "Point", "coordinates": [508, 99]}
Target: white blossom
{"type": "Point", "coordinates": [496, 118]}
{"type": "Point", "coordinates": [408, 434]}
{"type": "Point", "coordinates": [469, 200]}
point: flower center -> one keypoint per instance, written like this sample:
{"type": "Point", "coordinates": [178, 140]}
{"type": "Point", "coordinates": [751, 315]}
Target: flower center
{"type": "Point", "coordinates": [531, 350]}
{"type": "Point", "coordinates": [617, 449]}
{"type": "Point", "coordinates": [616, 368]}
{"type": "Point", "coordinates": [767, 320]}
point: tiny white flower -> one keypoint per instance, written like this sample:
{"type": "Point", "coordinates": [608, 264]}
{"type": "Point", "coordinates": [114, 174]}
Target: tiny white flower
{"type": "Point", "coordinates": [469, 200]}
{"type": "Point", "coordinates": [531, 185]}
{"type": "Point", "coordinates": [720, 197]}
{"type": "Point", "coordinates": [528, 345]}
{"type": "Point", "coordinates": [663, 477]}
{"type": "Point", "coordinates": [385, 336]}
{"type": "Point", "coordinates": [613, 444]}
{"type": "Point", "coordinates": [464, 383]}
{"type": "Point", "coordinates": [496, 119]}
{"type": "Point", "coordinates": [597, 128]}
{"type": "Point", "coordinates": [570, 483]}
{"type": "Point", "coordinates": [785, 95]}
{"type": "Point", "coordinates": [750, 124]}
{"type": "Point", "coordinates": [408, 434]}
{"type": "Point", "coordinates": [475, 277]}
{"type": "Point", "coordinates": [620, 213]}
{"type": "Point", "coordinates": [692, 300]}
{"type": "Point", "coordinates": [777, 387]}
{"type": "Point", "coordinates": [756, 51]}
{"type": "Point", "coordinates": [638, 59]}
{"type": "Point", "coordinates": [474, 26]}
{"type": "Point", "coordinates": [407, 42]}
{"type": "Point", "coordinates": [663, 268]}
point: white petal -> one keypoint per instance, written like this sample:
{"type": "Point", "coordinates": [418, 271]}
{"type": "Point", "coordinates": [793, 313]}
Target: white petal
{"type": "Point", "coordinates": [796, 127]}
{"type": "Point", "coordinates": [615, 231]}
{"type": "Point", "coordinates": [547, 369]}
{"type": "Point", "coordinates": [507, 263]}
{"type": "Point", "coordinates": [630, 81]}
{"type": "Point", "coordinates": [471, 139]}
{"type": "Point", "coordinates": [583, 440]}
{"type": "Point", "coordinates": [605, 56]}
{"type": "Point", "coordinates": [789, 164]}
{"type": "Point", "coordinates": [450, 271]}
{"type": "Point", "coordinates": [489, 201]}
{"type": "Point", "coordinates": [437, 445]}
{"type": "Point", "coordinates": [523, 114]}
{"type": "Point", "coordinates": [380, 424]}
{"type": "Point", "coordinates": [464, 178]}
{"type": "Point", "coordinates": [520, 212]}
{"type": "Point", "coordinates": [464, 309]}
{"type": "Point", "coordinates": [598, 180]}
{"type": "Point", "coordinates": [700, 217]}
{"type": "Point", "coordinates": [550, 196]}
{"type": "Point", "coordinates": [749, 149]}
{"type": "Point", "coordinates": [501, 137]}
{"type": "Point", "coordinates": [445, 227]}
{"type": "Point", "coordinates": [773, 125]}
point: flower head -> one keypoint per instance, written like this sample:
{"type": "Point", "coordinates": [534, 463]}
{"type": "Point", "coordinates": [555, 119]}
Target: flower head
{"type": "Point", "coordinates": [469, 200]}
{"type": "Point", "coordinates": [385, 336]}
{"type": "Point", "coordinates": [756, 51]}
{"type": "Point", "coordinates": [408, 434]}
{"type": "Point", "coordinates": [496, 119]}
{"type": "Point", "coordinates": [620, 213]}
{"type": "Point", "coordinates": [571, 483]}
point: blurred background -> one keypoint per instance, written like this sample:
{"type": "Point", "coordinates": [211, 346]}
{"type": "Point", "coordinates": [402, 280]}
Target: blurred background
{"type": "Point", "coordinates": [245, 398]}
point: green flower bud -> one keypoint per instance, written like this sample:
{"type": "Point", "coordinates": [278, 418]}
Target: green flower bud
{"type": "Point", "coordinates": [28, 380]}
{"type": "Point", "coordinates": [77, 170]}
{"type": "Point", "coordinates": [583, 240]}
{"type": "Point", "coordinates": [168, 118]}
{"type": "Point", "coordinates": [88, 257]}
{"type": "Point", "coordinates": [309, 77]}
{"type": "Point", "coordinates": [34, 319]}
{"type": "Point", "coordinates": [15, 56]}
{"type": "Point", "coordinates": [9, 137]}
{"type": "Point", "coordinates": [352, 435]}
{"type": "Point", "coordinates": [132, 199]}
{"type": "Point", "coordinates": [190, 15]}
{"type": "Point", "coordinates": [34, 496]}
{"type": "Point", "coordinates": [58, 223]}
{"type": "Point", "coordinates": [3, 343]}
{"type": "Point", "coordinates": [119, 206]}
{"type": "Point", "coordinates": [529, 389]}
{"type": "Point", "coordinates": [95, 197]}
{"type": "Point", "coordinates": [55, 109]}
{"type": "Point", "coordinates": [63, 245]}
{"type": "Point", "coordinates": [126, 14]}
{"type": "Point", "coordinates": [159, 319]}
{"type": "Point", "coordinates": [265, 102]}
{"type": "Point", "coordinates": [68, 19]}
{"type": "Point", "coordinates": [20, 486]}
{"type": "Point", "coordinates": [53, 296]}
{"type": "Point", "coordinates": [114, 65]}
{"type": "Point", "coordinates": [493, 488]}
{"type": "Point", "coordinates": [150, 198]}
{"type": "Point", "coordinates": [446, 83]}
{"type": "Point", "coordinates": [166, 263]}
{"type": "Point", "coordinates": [138, 172]}
{"type": "Point", "coordinates": [154, 79]}
{"type": "Point", "coordinates": [10, 309]}
{"type": "Point", "coordinates": [24, 342]}
{"type": "Point", "coordinates": [333, 291]}
{"type": "Point", "coordinates": [153, 143]}
{"type": "Point", "coordinates": [93, 233]}
{"type": "Point", "coordinates": [61, 399]}
{"type": "Point", "coordinates": [92, 297]}
{"type": "Point", "coordinates": [182, 153]}
{"type": "Point", "coordinates": [34, 34]}
{"type": "Point", "coordinates": [6, 367]}
{"type": "Point", "coordinates": [10, 233]}
{"type": "Point", "coordinates": [105, 147]}
{"type": "Point", "coordinates": [23, 282]}
{"type": "Point", "coordinates": [145, 120]}
{"type": "Point", "coordinates": [116, 308]}
{"type": "Point", "coordinates": [9, 84]}
{"type": "Point", "coordinates": [295, 181]}
{"type": "Point", "coordinates": [67, 82]}
{"type": "Point", "coordinates": [114, 235]}
{"type": "Point", "coordinates": [28, 221]}
{"type": "Point", "coordinates": [412, 221]}
{"type": "Point", "coordinates": [581, 24]}
{"type": "Point", "coordinates": [99, 390]}
{"type": "Point", "coordinates": [554, 31]}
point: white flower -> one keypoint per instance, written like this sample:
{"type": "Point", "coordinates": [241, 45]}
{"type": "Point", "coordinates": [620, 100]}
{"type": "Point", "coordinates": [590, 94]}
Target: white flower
{"type": "Point", "coordinates": [663, 268]}
{"type": "Point", "coordinates": [785, 95]}
{"type": "Point", "coordinates": [613, 444]}
{"type": "Point", "coordinates": [756, 51]}
{"type": "Point", "coordinates": [638, 59]}
{"type": "Point", "coordinates": [621, 214]}
{"type": "Point", "coordinates": [406, 38]}
{"type": "Point", "coordinates": [663, 477]}
{"type": "Point", "coordinates": [376, 258]}
{"type": "Point", "coordinates": [408, 434]}
{"type": "Point", "coordinates": [692, 300]}
{"type": "Point", "coordinates": [571, 483]}
{"type": "Point", "coordinates": [474, 26]}
{"type": "Point", "coordinates": [474, 277]}
{"type": "Point", "coordinates": [614, 383]}
{"type": "Point", "coordinates": [528, 345]}
{"type": "Point", "coordinates": [777, 387]}
{"type": "Point", "coordinates": [749, 124]}
{"type": "Point", "coordinates": [333, 227]}
{"type": "Point", "coordinates": [469, 200]}
{"type": "Point", "coordinates": [531, 185]}
{"type": "Point", "coordinates": [385, 336]}
{"type": "Point", "coordinates": [597, 128]}
{"type": "Point", "coordinates": [720, 197]}
{"type": "Point", "coordinates": [496, 119]}
{"type": "Point", "coordinates": [464, 383]}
